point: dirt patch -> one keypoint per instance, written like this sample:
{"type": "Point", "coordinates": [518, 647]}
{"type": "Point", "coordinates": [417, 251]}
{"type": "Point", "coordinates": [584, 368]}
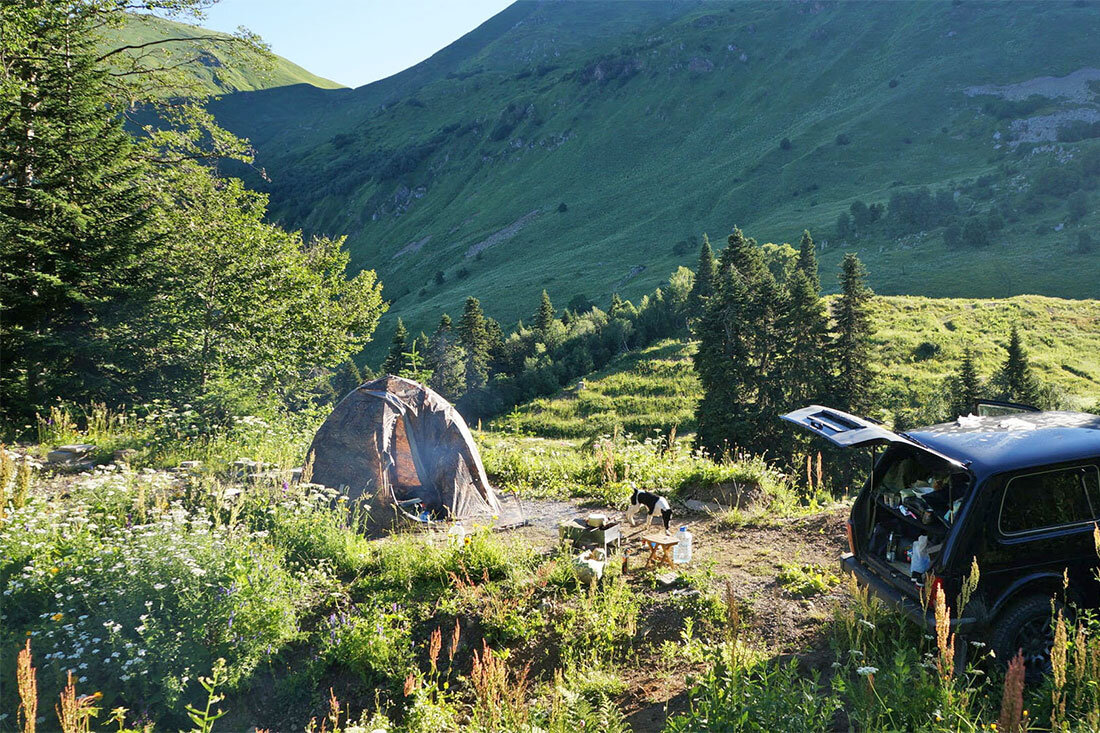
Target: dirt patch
{"type": "Point", "coordinates": [1073, 86]}
{"type": "Point", "coordinates": [411, 247]}
{"type": "Point", "coordinates": [502, 235]}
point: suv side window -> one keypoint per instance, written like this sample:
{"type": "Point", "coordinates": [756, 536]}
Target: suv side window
{"type": "Point", "coordinates": [1048, 499]}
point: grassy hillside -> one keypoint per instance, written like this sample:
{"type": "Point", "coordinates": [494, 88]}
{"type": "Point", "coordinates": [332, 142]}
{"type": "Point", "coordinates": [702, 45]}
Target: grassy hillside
{"type": "Point", "coordinates": [656, 122]}
{"type": "Point", "coordinates": [218, 71]}
{"type": "Point", "coordinates": [919, 342]}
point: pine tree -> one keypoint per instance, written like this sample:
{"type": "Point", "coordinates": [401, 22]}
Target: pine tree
{"type": "Point", "coordinates": [396, 362]}
{"type": "Point", "coordinates": [544, 316]}
{"type": "Point", "coordinates": [807, 260]}
{"type": "Point", "coordinates": [1015, 381]}
{"type": "Point", "coordinates": [615, 310]}
{"type": "Point", "coordinates": [723, 364]}
{"type": "Point", "coordinates": [851, 347]}
{"type": "Point", "coordinates": [805, 329]}
{"type": "Point", "coordinates": [703, 287]}
{"type": "Point", "coordinates": [346, 378]}
{"type": "Point", "coordinates": [447, 361]}
{"type": "Point", "coordinates": [73, 212]}
{"type": "Point", "coordinates": [966, 387]}
{"type": "Point", "coordinates": [474, 337]}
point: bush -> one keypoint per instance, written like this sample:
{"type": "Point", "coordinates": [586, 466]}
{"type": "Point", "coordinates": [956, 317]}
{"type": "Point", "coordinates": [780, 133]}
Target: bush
{"type": "Point", "coordinates": [139, 610]}
{"type": "Point", "coordinates": [843, 139]}
{"type": "Point", "coordinates": [1057, 181]}
{"type": "Point", "coordinates": [785, 144]}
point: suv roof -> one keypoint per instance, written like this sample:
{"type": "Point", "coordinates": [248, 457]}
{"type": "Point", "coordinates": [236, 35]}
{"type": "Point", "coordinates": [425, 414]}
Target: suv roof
{"type": "Point", "coordinates": [1008, 443]}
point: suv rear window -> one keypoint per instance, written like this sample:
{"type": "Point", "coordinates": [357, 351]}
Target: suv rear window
{"type": "Point", "coordinates": [1058, 498]}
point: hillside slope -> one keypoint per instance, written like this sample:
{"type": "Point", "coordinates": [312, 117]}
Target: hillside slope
{"type": "Point", "coordinates": [656, 121]}
{"type": "Point", "coordinates": [217, 71]}
{"type": "Point", "coordinates": [919, 343]}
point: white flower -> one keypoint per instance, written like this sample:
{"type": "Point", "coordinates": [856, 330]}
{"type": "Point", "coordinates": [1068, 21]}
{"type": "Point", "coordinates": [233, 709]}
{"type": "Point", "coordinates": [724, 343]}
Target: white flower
{"type": "Point", "coordinates": [865, 622]}
{"type": "Point", "coordinates": [866, 671]}
{"type": "Point", "coordinates": [159, 586]}
{"type": "Point", "coordinates": [855, 653]}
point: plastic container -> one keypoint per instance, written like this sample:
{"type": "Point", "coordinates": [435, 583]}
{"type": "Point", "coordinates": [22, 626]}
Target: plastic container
{"type": "Point", "coordinates": [681, 553]}
{"type": "Point", "coordinates": [457, 534]}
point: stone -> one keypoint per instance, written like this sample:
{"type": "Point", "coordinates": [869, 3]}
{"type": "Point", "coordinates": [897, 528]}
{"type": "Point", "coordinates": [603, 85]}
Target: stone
{"type": "Point", "coordinates": [81, 448]}
{"type": "Point", "coordinates": [668, 579]}
{"type": "Point", "coordinates": [703, 507]}
{"type": "Point", "coordinates": [190, 465]}
{"type": "Point", "coordinates": [124, 455]}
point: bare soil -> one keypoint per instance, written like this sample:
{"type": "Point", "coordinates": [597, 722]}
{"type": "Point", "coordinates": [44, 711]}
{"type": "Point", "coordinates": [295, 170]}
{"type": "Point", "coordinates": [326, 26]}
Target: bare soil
{"type": "Point", "coordinates": [748, 558]}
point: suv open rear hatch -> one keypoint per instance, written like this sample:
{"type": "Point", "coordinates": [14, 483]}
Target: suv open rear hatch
{"type": "Point", "coordinates": [849, 431]}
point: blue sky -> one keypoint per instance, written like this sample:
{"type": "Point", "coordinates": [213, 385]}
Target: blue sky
{"type": "Point", "coordinates": [354, 42]}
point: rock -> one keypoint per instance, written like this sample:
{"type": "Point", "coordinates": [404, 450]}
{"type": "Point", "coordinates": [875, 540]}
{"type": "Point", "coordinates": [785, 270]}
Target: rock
{"type": "Point", "coordinates": [668, 579]}
{"type": "Point", "coordinates": [190, 465]}
{"type": "Point", "coordinates": [70, 454]}
{"type": "Point", "coordinates": [703, 507]}
{"type": "Point", "coordinates": [81, 448]}
{"type": "Point", "coordinates": [124, 455]}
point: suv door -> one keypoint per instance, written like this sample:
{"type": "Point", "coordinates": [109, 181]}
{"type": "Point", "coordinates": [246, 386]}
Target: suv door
{"type": "Point", "coordinates": [1040, 525]}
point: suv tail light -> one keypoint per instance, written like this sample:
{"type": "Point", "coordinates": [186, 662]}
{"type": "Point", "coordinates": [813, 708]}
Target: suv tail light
{"type": "Point", "coordinates": [933, 586]}
{"type": "Point", "coordinates": [851, 537]}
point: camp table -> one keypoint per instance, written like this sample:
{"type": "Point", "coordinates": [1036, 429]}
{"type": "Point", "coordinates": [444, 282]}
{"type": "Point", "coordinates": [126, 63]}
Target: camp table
{"type": "Point", "coordinates": [581, 535]}
{"type": "Point", "coordinates": [663, 543]}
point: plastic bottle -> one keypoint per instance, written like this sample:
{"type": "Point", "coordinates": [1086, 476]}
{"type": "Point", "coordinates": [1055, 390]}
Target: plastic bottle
{"type": "Point", "coordinates": [681, 553]}
{"type": "Point", "coordinates": [457, 534]}
{"type": "Point", "coordinates": [891, 553]}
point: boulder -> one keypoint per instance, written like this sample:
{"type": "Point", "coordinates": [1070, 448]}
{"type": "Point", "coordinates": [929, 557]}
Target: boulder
{"type": "Point", "coordinates": [70, 454]}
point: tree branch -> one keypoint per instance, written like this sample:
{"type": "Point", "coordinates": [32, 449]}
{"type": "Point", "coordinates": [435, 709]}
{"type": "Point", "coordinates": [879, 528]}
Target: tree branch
{"type": "Point", "coordinates": [184, 39]}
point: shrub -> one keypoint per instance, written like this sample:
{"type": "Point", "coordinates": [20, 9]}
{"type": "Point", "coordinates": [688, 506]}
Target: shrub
{"type": "Point", "coordinates": [1057, 181]}
{"type": "Point", "coordinates": [843, 139]}
{"type": "Point", "coordinates": [139, 610]}
{"type": "Point", "coordinates": [785, 143]}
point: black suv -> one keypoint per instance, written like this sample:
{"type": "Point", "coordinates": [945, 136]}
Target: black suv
{"type": "Point", "coordinates": [1014, 488]}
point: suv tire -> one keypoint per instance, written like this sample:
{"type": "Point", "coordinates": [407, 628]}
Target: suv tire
{"type": "Point", "coordinates": [1026, 626]}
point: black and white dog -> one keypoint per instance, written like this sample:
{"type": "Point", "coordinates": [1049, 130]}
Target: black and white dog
{"type": "Point", "coordinates": [653, 503]}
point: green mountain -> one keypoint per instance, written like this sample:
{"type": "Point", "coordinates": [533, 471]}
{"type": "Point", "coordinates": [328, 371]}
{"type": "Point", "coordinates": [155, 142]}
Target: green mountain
{"type": "Point", "coordinates": [218, 71]}
{"type": "Point", "coordinates": [584, 147]}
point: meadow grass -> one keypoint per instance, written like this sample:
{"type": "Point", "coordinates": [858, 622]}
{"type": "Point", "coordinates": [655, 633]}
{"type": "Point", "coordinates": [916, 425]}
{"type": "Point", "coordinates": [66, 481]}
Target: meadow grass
{"type": "Point", "coordinates": [918, 344]}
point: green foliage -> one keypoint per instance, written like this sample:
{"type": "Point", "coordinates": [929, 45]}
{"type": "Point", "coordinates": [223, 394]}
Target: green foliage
{"type": "Point", "coordinates": [1015, 382]}
{"type": "Point", "coordinates": [853, 385]}
{"type": "Point", "coordinates": [966, 387]}
{"type": "Point", "coordinates": [738, 692]}
{"type": "Point", "coordinates": [395, 362]}
{"type": "Point", "coordinates": [805, 580]}
{"type": "Point", "coordinates": [139, 609]}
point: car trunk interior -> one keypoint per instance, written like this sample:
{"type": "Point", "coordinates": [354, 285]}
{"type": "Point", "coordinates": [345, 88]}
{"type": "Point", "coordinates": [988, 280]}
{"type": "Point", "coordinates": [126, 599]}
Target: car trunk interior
{"type": "Point", "coordinates": [913, 501]}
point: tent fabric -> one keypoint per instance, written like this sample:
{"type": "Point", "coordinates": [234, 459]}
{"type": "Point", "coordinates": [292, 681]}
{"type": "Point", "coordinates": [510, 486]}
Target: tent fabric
{"type": "Point", "coordinates": [393, 438]}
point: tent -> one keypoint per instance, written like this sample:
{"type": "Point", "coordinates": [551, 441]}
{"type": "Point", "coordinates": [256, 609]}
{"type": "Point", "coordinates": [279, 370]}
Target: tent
{"type": "Point", "coordinates": [406, 448]}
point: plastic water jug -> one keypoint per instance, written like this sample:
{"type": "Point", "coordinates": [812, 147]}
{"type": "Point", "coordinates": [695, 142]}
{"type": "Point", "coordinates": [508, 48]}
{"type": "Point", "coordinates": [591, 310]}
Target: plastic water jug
{"type": "Point", "coordinates": [457, 534]}
{"type": "Point", "coordinates": [681, 553]}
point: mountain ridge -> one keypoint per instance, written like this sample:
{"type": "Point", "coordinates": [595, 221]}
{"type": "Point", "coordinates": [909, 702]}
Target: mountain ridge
{"type": "Point", "coordinates": [653, 128]}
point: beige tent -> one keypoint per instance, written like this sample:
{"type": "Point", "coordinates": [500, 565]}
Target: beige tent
{"type": "Point", "coordinates": [405, 447]}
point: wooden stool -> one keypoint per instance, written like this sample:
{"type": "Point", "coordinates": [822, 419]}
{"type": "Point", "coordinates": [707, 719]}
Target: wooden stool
{"type": "Point", "coordinates": [663, 543]}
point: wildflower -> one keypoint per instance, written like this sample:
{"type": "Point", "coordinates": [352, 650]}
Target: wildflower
{"type": "Point", "coordinates": [58, 616]}
{"type": "Point", "coordinates": [855, 653]}
{"type": "Point", "coordinates": [865, 622]}
{"type": "Point", "coordinates": [866, 671]}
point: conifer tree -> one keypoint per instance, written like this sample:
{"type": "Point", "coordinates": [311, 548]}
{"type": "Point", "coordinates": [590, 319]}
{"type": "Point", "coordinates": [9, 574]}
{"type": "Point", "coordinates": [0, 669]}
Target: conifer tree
{"type": "Point", "coordinates": [474, 337]}
{"type": "Point", "coordinates": [1015, 381]}
{"type": "Point", "coordinates": [723, 364]}
{"type": "Point", "coordinates": [615, 310]}
{"type": "Point", "coordinates": [705, 274]}
{"type": "Point", "coordinates": [447, 361]}
{"type": "Point", "coordinates": [966, 387]}
{"type": "Point", "coordinates": [72, 213]}
{"type": "Point", "coordinates": [544, 317]}
{"type": "Point", "coordinates": [851, 347]}
{"type": "Point", "coordinates": [395, 362]}
{"type": "Point", "coordinates": [346, 378]}
{"type": "Point", "coordinates": [807, 260]}
{"type": "Point", "coordinates": [805, 328]}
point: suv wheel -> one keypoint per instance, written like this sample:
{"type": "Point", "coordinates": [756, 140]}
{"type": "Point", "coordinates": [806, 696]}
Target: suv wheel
{"type": "Point", "coordinates": [1026, 626]}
